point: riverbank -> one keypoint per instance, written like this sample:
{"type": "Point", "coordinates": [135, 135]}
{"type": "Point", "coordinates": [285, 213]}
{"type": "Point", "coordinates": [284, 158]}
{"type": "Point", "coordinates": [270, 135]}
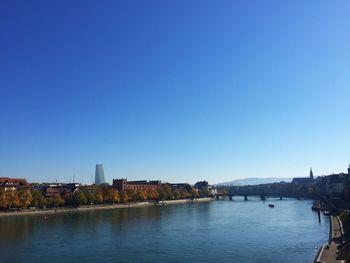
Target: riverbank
{"type": "Point", "coordinates": [184, 201]}
{"type": "Point", "coordinates": [100, 207]}
{"type": "Point", "coordinates": [328, 253]}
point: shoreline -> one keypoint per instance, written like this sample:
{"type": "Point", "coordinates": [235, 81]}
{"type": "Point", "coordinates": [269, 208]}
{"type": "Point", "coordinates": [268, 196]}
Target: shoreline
{"type": "Point", "coordinates": [52, 211]}
{"type": "Point", "coordinates": [329, 252]}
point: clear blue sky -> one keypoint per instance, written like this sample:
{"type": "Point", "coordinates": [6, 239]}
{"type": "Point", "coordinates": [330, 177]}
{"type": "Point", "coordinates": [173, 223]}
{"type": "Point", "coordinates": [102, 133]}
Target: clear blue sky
{"type": "Point", "coordinates": [174, 90]}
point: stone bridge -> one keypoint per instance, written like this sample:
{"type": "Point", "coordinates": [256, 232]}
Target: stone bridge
{"type": "Point", "coordinates": [246, 191]}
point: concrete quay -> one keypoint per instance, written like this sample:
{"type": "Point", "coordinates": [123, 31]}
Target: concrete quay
{"type": "Point", "coordinates": [328, 253]}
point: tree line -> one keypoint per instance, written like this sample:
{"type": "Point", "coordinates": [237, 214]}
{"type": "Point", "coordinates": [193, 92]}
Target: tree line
{"type": "Point", "coordinates": [91, 195]}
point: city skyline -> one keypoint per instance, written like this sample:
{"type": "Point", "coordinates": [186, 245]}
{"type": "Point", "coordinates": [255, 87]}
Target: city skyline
{"type": "Point", "coordinates": [177, 91]}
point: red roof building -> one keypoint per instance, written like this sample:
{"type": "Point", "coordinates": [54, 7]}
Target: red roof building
{"type": "Point", "coordinates": [13, 182]}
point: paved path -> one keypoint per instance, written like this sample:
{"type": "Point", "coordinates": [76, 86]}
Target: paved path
{"type": "Point", "coordinates": [328, 253]}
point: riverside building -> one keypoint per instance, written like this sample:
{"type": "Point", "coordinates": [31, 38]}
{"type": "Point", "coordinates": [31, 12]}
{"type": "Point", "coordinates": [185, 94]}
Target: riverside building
{"type": "Point", "coordinates": [124, 184]}
{"type": "Point", "coordinates": [13, 183]}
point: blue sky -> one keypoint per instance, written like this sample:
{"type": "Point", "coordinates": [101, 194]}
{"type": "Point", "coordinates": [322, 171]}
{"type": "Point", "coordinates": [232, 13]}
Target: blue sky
{"type": "Point", "coordinates": [174, 90]}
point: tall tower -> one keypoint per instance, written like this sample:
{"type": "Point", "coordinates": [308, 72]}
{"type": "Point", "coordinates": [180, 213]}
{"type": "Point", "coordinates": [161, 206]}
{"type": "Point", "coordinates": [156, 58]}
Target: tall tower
{"type": "Point", "coordinates": [349, 170]}
{"type": "Point", "coordinates": [99, 175]}
{"type": "Point", "coordinates": [311, 174]}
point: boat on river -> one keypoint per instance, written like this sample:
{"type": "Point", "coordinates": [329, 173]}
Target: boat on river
{"type": "Point", "coordinates": [271, 205]}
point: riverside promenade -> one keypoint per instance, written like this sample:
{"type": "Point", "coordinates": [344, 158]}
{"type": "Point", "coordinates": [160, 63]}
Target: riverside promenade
{"type": "Point", "coordinates": [85, 208]}
{"type": "Point", "coordinates": [328, 253]}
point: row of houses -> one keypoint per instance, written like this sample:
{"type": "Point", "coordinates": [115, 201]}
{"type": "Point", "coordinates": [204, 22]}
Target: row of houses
{"type": "Point", "coordinates": [123, 185]}
{"type": "Point", "coordinates": [53, 189]}
{"type": "Point", "coordinates": [332, 185]}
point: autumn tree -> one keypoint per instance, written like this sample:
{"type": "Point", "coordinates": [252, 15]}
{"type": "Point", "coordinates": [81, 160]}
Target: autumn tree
{"type": "Point", "coordinates": [141, 195]}
{"type": "Point", "coordinates": [124, 197]}
{"type": "Point", "coordinates": [98, 194]}
{"type": "Point", "coordinates": [11, 198]}
{"type": "Point", "coordinates": [152, 194]}
{"type": "Point", "coordinates": [194, 193]}
{"type": "Point", "coordinates": [165, 192]}
{"type": "Point", "coordinates": [111, 195]}
{"type": "Point", "coordinates": [132, 194]}
{"type": "Point", "coordinates": [25, 198]}
{"type": "Point", "coordinates": [3, 203]}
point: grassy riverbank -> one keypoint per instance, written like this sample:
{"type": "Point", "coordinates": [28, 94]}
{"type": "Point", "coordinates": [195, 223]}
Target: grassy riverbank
{"type": "Point", "coordinates": [51, 211]}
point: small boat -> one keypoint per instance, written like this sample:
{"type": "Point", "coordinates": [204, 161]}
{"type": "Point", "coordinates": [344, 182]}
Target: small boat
{"type": "Point", "coordinates": [271, 205]}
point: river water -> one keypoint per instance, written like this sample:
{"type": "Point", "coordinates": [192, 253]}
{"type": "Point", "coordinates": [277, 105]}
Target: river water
{"type": "Point", "coordinates": [220, 231]}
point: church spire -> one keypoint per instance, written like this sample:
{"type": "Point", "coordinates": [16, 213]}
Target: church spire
{"type": "Point", "coordinates": [311, 174]}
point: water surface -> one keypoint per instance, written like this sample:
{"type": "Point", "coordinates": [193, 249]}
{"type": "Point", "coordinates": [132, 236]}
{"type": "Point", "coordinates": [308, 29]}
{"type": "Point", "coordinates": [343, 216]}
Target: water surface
{"type": "Point", "coordinates": [219, 231]}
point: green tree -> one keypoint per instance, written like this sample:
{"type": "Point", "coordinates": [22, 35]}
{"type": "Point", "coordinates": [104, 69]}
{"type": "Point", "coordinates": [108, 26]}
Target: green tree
{"type": "Point", "coordinates": [79, 198]}
{"type": "Point", "coordinates": [38, 199]}
{"type": "Point", "coordinates": [68, 199]}
{"type": "Point", "coordinates": [177, 194]}
{"type": "Point", "coordinates": [90, 195]}
{"type": "Point", "coordinates": [49, 201]}
{"type": "Point", "coordinates": [57, 201]}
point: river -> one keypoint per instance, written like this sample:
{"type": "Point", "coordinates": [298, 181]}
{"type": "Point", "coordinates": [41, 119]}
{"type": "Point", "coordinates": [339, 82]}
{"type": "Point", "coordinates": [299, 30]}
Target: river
{"type": "Point", "coordinates": [220, 231]}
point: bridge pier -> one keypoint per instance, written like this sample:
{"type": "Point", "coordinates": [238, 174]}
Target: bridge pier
{"type": "Point", "coordinates": [281, 197]}
{"type": "Point", "coordinates": [263, 197]}
{"type": "Point", "coordinates": [230, 197]}
{"type": "Point", "coordinates": [245, 198]}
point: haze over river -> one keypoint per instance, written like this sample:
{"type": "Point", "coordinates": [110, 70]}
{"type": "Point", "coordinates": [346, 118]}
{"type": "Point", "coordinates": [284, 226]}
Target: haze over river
{"type": "Point", "coordinates": [219, 231]}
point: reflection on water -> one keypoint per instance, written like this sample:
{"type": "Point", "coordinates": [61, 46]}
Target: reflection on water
{"type": "Point", "coordinates": [225, 231]}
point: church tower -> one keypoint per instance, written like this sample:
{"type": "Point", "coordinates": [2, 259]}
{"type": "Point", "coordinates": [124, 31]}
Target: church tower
{"type": "Point", "coordinates": [349, 170]}
{"type": "Point", "coordinates": [311, 174]}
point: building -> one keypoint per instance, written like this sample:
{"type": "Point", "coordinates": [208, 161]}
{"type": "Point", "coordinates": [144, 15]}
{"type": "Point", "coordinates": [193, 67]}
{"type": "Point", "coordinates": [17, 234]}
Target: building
{"type": "Point", "coordinates": [13, 183]}
{"type": "Point", "coordinates": [334, 185]}
{"type": "Point", "coordinates": [124, 184]}
{"type": "Point", "coordinates": [99, 175]}
{"type": "Point", "coordinates": [304, 180]}
{"type": "Point", "coordinates": [204, 186]}
{"type": "Point", "coordinates": [55, 189]}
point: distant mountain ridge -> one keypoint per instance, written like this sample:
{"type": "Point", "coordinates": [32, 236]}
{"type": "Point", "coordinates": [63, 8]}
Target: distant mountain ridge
{"type": "Point", "coordinates": [255, 181]}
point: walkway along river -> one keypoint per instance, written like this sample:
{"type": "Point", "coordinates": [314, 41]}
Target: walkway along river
{"type": "Point", "coordinates": [328, 252]}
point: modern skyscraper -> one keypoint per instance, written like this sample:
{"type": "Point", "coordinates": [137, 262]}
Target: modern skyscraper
{"type": "Point", "coordinates": [99, 175]}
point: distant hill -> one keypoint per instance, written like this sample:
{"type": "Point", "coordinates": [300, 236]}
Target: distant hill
{"type": "Point", "coordinates": [255, 181]}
